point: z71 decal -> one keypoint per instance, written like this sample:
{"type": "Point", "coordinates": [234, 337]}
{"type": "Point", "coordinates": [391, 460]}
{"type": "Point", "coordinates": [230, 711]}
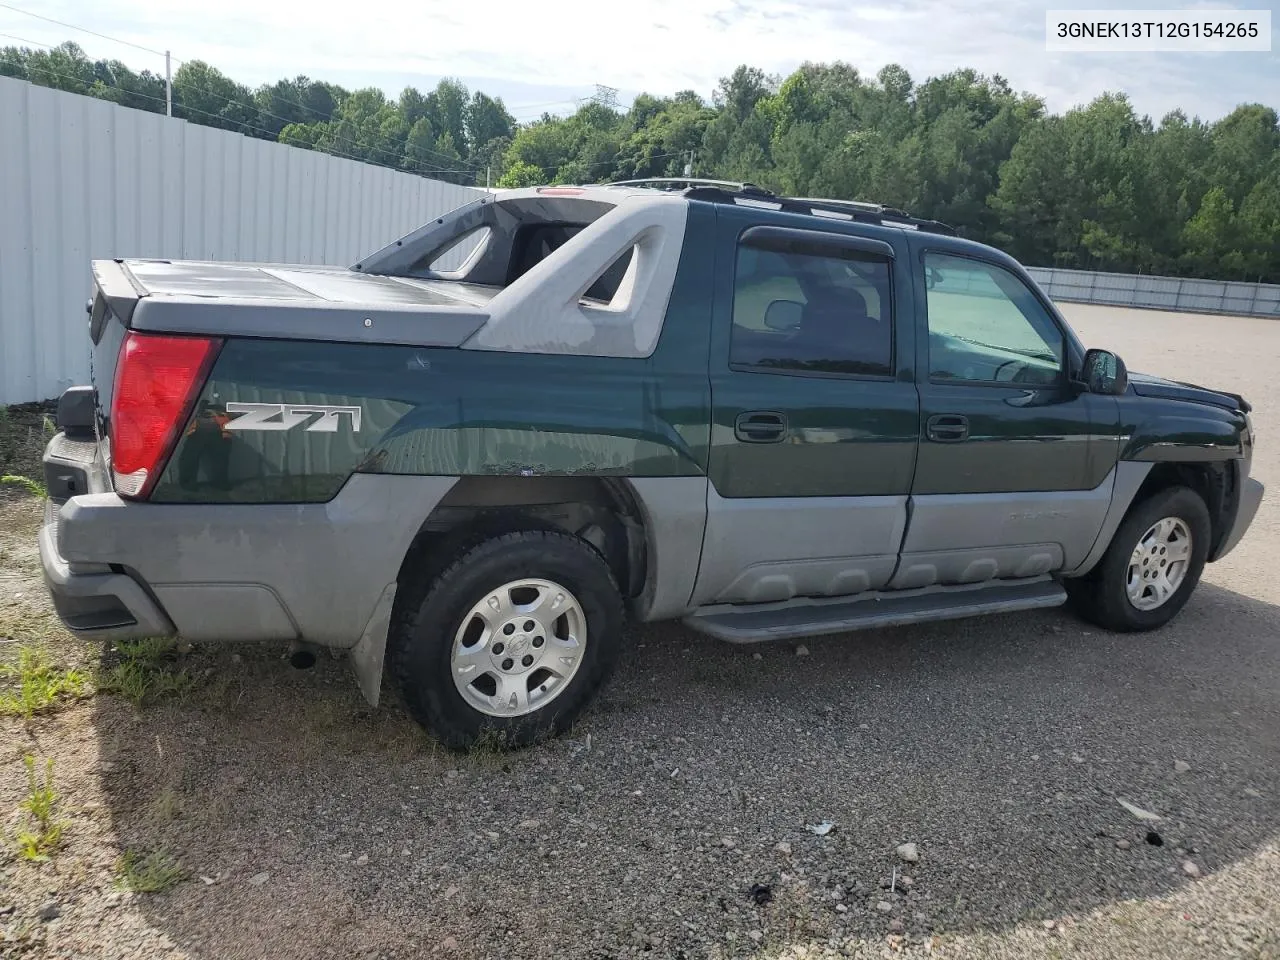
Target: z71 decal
{"type": "Point", "coordinates": [285, 416]}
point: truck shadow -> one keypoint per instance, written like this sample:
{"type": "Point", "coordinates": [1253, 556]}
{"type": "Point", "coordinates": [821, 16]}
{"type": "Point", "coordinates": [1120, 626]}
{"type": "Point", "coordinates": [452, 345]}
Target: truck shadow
{"type": "Point", "coordinates": [1001, 746]}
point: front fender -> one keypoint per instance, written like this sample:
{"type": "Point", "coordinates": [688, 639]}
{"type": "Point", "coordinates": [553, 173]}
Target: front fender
{"type": "Point", "coordinates": [1186, 438]}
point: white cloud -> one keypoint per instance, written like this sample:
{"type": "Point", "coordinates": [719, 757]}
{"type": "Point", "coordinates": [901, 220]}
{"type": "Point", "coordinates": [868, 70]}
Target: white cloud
{"type": "Point", "coordinates": [660, 46]}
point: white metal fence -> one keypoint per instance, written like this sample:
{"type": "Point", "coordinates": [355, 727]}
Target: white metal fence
{"type": "Point", "coordinates": [1160, 293]}
{"type": "Point", "coordinates": [84, 179]}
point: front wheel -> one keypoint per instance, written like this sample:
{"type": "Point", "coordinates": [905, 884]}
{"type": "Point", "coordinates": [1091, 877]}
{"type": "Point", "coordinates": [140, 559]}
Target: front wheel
{"type": "Point", "coordinates": [1152, 565]}
{"type": "Point", "coordinates": [511, 641]}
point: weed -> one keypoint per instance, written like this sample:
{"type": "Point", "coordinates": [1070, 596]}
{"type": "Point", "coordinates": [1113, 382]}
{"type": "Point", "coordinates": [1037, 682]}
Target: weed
{"type": "Point", "coordinates": [24, 431]}
{"type": "Point", "coordinates": [141, 683]}
{"type": "Point", "coordinates": [33, 487]}
{"type": "Point", "coordinates": [40, 686]}
{"type": "Point", "coordinates": [489, 751]}
{"type": "Point", "coordinates": [154, 872]}
{"type": "Point", "coordinates": [143, 673]}
{"type": "Point", "coordinates": [167, 805]}
{"type": "Point", "coordinates": [43, 832]}
{"type": "Point", "coordinates": [151, 650]}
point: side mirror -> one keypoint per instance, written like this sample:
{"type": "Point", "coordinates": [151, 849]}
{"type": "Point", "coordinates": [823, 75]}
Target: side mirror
{"type": "Point", "coordinates": [783, 315]}
{"type": "Point", "coordinates": [1105, 373]}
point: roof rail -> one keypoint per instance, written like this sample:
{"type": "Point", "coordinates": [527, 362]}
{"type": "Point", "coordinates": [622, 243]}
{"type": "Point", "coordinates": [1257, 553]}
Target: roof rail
{"type": "Point", "coordinates": [731, 191]}
{"type": "Point", "coordinates": [685, 183]}
{"type": "Point", "coordinates": [828, 209]}
{"type": "Point", "coordinates": [856, 205]}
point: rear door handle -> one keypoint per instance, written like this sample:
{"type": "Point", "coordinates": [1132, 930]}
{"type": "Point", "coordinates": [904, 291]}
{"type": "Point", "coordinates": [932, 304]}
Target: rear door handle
{"type": "Point", "coordinates": [948, 428]}
{"type": "Point", "coordinates": [760, 426]}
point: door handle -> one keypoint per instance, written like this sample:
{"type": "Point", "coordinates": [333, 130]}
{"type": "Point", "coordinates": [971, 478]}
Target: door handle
{"type": "Point", "coordinates": [760, 426]}
{"type": "Point", "coordinates": [948, 428]}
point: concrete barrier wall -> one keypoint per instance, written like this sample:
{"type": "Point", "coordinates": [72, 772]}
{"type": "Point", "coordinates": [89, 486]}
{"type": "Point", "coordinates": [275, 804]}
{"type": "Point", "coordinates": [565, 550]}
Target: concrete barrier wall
{"type": "Point", "coordinates": [1160, 293]}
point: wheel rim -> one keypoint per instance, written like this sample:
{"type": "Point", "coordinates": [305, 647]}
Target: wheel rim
{"type": "Point", "coordinates": [1159, 563]}
{"type": "Point", "coordinates": [518, 647]}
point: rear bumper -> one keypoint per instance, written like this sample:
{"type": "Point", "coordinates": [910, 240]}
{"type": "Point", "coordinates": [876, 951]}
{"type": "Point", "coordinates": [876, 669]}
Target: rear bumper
{"type": "Point", "coordinates": [117, 568]}
{"type": "Point", "coordinates": [97, 603]}
{"type": "Point", "coordinates": [94, 600]}
{"type": "Point", "coordinates": [1250, 499]}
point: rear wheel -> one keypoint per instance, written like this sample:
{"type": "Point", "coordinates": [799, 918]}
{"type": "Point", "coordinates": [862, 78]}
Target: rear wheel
{"type": "Point", "coordinates": [1152, 565]}
{"type": "Point", "coordinates": [511, 641]}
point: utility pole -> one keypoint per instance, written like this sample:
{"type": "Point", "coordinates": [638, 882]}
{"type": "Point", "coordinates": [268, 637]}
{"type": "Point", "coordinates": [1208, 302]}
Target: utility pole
{"type": "Point", "coordinates": [688, 166]}
{"type": "Point", "coordinates": [168, 87]}
{"type": "Point", "coordinates": [487, 170]}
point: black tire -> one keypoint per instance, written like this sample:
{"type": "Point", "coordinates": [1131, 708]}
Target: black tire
{"type": "Point", "coordinates": [1101, 597]}
{"type": "Point", "coordinates": [422, 634]}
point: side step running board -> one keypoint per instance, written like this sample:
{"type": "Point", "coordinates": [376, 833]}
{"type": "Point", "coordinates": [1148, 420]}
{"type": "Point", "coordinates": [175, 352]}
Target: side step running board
{"type": "Point", "coordinates": [752, 623]}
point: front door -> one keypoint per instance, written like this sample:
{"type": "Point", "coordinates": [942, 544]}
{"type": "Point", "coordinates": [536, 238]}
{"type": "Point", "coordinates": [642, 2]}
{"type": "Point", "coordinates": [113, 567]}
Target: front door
{"type": "Point", "coordinates": [1014, 469]}
{"type": "Point", "coordinates": [815, 415]}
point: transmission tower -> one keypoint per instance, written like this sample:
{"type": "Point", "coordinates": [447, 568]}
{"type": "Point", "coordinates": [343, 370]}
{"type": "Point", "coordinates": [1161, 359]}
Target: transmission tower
{"type": "Point", "coordinates": [606, 96]}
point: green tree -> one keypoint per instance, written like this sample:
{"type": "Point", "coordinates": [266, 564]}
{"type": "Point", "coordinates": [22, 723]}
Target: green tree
{"type": "Point", "coordinates": [300, 100]}
{"type": "Point", "coordinates": [1259, 222]}
{"type": "Point", "coordinates": [1212, 235]}
{"type": "Point", "coordinates": [521, 174]}
{"type": "Point", "coordinates": [485, 120]}
{"type": "Point", "coordinates": [366, 126]}
{"type": "Point", "coordinates": [446, 106]}
{"type": "Point", "coordinates": [1097, 186]}
{"type": "Point", "coordinates": [203, 94]}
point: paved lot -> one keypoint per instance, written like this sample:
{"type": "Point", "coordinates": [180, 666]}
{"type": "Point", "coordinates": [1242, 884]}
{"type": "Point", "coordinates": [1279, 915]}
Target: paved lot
{"type": "Point", "coordinates": [999, 746]}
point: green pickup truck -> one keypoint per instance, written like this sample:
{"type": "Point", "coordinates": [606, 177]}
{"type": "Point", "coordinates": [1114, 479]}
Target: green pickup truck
{"type": "Point", "coordinates": [475, 452]}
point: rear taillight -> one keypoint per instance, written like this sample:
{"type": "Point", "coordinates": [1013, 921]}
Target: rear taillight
{"type": "Point", "coordinates": [157, 378]}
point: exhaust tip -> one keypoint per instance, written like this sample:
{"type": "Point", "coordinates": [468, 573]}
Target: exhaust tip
{"type": "Point", "coordinates": [302, 659]}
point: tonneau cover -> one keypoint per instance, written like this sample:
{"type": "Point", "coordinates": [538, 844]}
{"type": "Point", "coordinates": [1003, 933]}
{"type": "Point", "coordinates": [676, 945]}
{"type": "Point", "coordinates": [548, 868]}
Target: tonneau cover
{"type": "Point", "coordinates": [291, 301]}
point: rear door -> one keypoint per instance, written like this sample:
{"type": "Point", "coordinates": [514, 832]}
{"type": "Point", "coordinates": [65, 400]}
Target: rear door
{"type": "Point", "coordinates": [815, 417]}
{"type": "Point", "coordinates": [1013, 475]}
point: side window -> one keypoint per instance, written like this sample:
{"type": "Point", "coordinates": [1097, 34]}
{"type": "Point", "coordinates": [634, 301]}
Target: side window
{"type": "Point", "coordinates": [806, 306]}
{"type": "Point", "coordinates": [986, 326]}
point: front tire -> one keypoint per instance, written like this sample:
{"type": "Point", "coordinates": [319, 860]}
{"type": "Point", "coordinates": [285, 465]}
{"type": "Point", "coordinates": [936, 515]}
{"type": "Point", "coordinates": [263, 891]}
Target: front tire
{"type": "Point", "coordinates": [510, 642]}
{"type": "Point", "coordinates": [1151, 567]}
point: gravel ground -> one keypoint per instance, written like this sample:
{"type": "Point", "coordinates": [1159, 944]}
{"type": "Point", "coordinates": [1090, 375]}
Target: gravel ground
{"type": "Point", "coordinates": [1000, 747]}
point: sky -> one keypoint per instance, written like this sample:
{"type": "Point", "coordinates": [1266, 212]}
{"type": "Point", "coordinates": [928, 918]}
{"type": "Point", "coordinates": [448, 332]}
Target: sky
{"type": "Point", "coordinates": [550, 56]}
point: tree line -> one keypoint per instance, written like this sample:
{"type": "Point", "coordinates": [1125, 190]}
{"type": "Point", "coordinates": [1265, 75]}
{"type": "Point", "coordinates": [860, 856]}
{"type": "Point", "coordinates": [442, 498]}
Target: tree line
{"type": "Point", "coordinates": [1097, 187]}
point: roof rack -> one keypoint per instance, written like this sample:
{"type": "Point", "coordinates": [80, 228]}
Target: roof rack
{"type": "Point", "coordinates": [729, 191]}
{"type": "Point", "coordinates": [856, 205]}
{"type": "Point", "coordinates": [832, 209]}
{"type": "Point", "coordinates": [684, 183]}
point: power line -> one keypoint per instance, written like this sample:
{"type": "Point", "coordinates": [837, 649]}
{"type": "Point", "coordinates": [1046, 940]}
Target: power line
{"type": "Point", "coordinates": [10, 36]}
{"type": "Point", "coordinates": [72, 26]}
{"type": "Point", "coordinates": [246, 126]}
{"type": "Point", "coordinates": [226, 99]}
{"type": "Point", "coordinates": [285, 120]}
{"type": "Point", "coordinates": [470, 170]}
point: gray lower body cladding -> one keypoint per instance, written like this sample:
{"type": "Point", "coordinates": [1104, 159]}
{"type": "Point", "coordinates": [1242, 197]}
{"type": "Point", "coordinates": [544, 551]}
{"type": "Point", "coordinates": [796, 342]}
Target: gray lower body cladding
{"type": "Point", "coordinates": [1250, 499]}
{"type": "Point", "coordinates": [310, 572]}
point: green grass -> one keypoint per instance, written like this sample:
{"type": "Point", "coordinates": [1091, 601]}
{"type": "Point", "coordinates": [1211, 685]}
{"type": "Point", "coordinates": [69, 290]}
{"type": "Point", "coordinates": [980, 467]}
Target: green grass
{"type": "Point", "coordinates": [145, 672]}
{"type": "Point", "coordinates": [142, 683]}
{"type": "Point", "coordinates": [33, 487]}
{"type": "Point", "coordinates": [42, 833]}
{"type": "Point", "coordinates": [37, 686]}
{"type": "Point", "coordinates": [153, 872]}
{"type": "Point", "coordinates": [150, 650]}
{"type": "Point", "coordinates": [24, 432]}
